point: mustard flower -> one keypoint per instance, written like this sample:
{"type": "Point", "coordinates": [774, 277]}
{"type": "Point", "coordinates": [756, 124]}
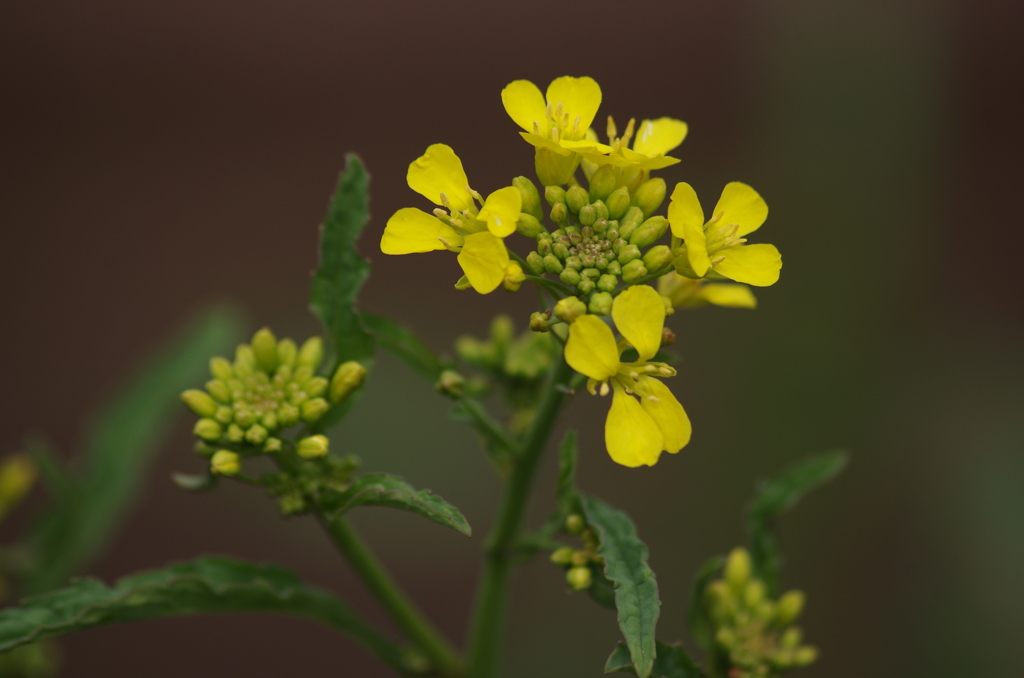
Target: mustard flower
{"type": "Point", "coordinates": [717, 246]}
{"type": "Point", "coordinates": [636, 432]}
{"type": "Point", "coordinates": [688, 293]}
{"type": "Point", "coordinates": [475, 233]}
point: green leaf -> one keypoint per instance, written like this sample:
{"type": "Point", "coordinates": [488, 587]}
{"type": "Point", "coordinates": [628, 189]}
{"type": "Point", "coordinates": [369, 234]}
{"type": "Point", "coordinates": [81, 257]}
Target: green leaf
{"type": "Point", "coordinates": [636, 590]}
{"type": "Point", "coordinates": [405, 346]}
{"type": "Point", "coordinates": [701, 626]}
{"type": "Point", "coordinates": [205, 586]}
{"type": "Point", "coordinates": [342, 271]}
{"type": "Point", "coordinates": [498, 443]}
{"type": "Point", "coordinates": [118, 448]}
{"type": "Point", "coordinates": [672, 662]}
{"type": "Point", "coordinates": [565, 490]}
{"type": "Point", "coordinates": [778, 495]}
{"type": "Point", "coordinates": [385, 490]}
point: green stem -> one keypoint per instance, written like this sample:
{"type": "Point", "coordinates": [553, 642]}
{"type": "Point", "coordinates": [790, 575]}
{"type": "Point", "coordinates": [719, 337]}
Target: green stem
{"type": "Point", "coordinates": [413, 624]}
{"type": "Point", "coordinates": [492, 591]}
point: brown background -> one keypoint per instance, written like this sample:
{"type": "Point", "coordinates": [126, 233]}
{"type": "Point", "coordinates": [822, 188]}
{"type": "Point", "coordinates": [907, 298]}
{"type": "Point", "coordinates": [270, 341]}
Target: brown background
{"type": "Point", "coordinates": [156, 157]}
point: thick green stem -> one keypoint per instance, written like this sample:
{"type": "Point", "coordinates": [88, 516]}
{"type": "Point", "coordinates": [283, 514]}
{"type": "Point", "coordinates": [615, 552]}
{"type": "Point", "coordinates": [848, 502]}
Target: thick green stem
{"type": "Point", "coordinates": [414, 625]}
{"type": "Point", "coordinates": [492, 592]}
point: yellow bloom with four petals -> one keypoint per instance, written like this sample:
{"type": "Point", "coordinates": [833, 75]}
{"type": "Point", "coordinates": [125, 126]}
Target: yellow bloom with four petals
{"type": "Point", "coordinates": [718, 245]}
{"type": "Point", "coordinates": [636, 432]}
{"type": "Point", "coordinates": [475, 233]}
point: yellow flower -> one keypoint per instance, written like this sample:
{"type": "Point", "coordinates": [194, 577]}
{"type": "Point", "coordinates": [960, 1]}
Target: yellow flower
{"type": "Point", "coordinates": [717, 247]}
{"type": "Point", "coordinates": [635, 432]}
{"type": "Point", "coordinates": [653, 140]}
{"type": "Point", "coordinates": [553, 121]}
{"type": "Point", "coordinates": [688, 293]}
{"type": "Point", "coordinates": [475, 233]}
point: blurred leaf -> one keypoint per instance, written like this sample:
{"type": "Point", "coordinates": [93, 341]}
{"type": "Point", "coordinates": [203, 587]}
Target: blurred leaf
{"type": "Point", "coordinates": [405, 346]}
{"type": "Point", "coordinates": [205, 586]}
{"type": "Point", "coordinates": [118, 448]}
{"type": "Point", "coordinates": [565, 490]}
{"type": "Point", "coordinates": [385, 490]}
{"type": "Point", "coordinates": [672, 662]}
{"type": "Point", "coordinates": [778, 495]}
{"type": "Point", "coordinates": [342, 271]}
{"type": "Point", "coordinates": [701, 627]}
{"type": "Point", "coordinates": [636, 591]}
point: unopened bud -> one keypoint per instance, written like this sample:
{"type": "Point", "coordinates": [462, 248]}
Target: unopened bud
{"type": "Point", "coordinates": [613, 268]}
{"type": "Point", "coordinates": [199, 402]}
{"type": "Point", "coordinates": [754, 593]}
{"type": "Point", "coordinates": [311, 354]}
{"type": "Point", "coordinates": [536, 263]}
{"type": "Point", "coordinates": [264, 348]}
{"type": "Point", "coordinates": [570, 276]}
{"type": "Point", "coordinates": [649, 195]}
{"type": "Point", "coordinates": [528, 225]}
{"type": "Point", "coordinates": [288, 415]}
{"type": "Point", "coordinates": [559, 213]}
{"type": "Point", "coordinates": [634, 272]}
{"type": "Point", "coordinates": [808, 654]}
{"type": "Point", "coordinates": [737, 569]}
{"type": "Point", "coordinates": [570, 308]}
{"type": "Point", "coordinates": [628, 253]}
{"type": "Point", "coordinates": [607, 283]}
{"type": "Point", "coordinates": [602, 183]}
{"type": "Point", "coordinates": [225, 463]}
{"type": "Point", "coordinates": [220, 368]}
{"type": "Point", "coordinates": [791, 604]}
{"type": "Point", "coordinates": [580, 558]}
{"type": "Point", "coordinates": [649, 232]}
{"type": "Point", "coordinates": [315, 387]}
{"type": "Point", "coordinates": [575, 524]}
{"type": "Point", "coordinates": [588, 215]}
{"type": "Point", "coordinates": [658, 258]}
{"type": "Point", "coordinates": [586, 286]}
{"type": "Point", "coordinates": [17, 475]}
{"type": "Point", "coordinates": [287, 352]}
{"type": "Point", "coordinates": [244, 354]}
{"type": "Point", "coordinates": [668, 337]}
{"type": "Point", "coordinates": [450, 383]}
{"type": "Point", "coordinates": [219, 390]}
{"type": "Point", "coordinates": [313, 409]}
{"type": "Point", "coordinates": [791, 638]}
{"type": "Point", "coordinates": [514, 277]}
{"type": "Point", "coordinates": [600, 209]}
{"type": "Point", "coordinates": [530, 197]}
{"type": "Point", "coordinates": [269, 421]}
{"type": "Point", "coordinates": [463, 283]}
{"type": "Point", "coordinates": [562, 556]}
{"type": "Point", "coordinates": [600, 303]}
{"type": "Point", "coordinates": [348, 377]}
{"type": "Point", "coordinates": [579, 578]}
{"type": "Point", "coordinates": [552, 265]}
{"type": "Point", "coordinates": [617, 202]}
{"type": "Point", "coordinates": [313, 447]}
{"type": "Point", "coordinates": [235, 434]}
{"type": "Point", "coordinates": [539, 322]}
{"type": "Point", "coordinates": [273, 445]}
{"type": "Point", "coordinates": [225, 415]}
{"type": "Point", "coordinates": [576, 198]}
{"type": "Point", "coordinates": [554, 195]}
{"type": "Point", "coordinates": [256, 434]}
{"type": "Point", "coordinates": [245, 417]}
{"type": "Point", "coordinates": [207, 429]}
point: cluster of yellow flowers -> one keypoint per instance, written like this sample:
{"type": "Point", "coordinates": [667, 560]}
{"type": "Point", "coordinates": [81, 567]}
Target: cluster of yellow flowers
{"type": "Point", "coordinates": [603, 253]}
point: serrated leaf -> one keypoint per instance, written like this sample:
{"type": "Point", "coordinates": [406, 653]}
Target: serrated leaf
{"type": "Point", "coordinates": [701, 627]}
{"type": "Point", "coordinates": [619, 659]}
{"type": "Point", "coordinates": [778, 495]}
{"type": "Point", "coordinates": [404, 345]}
{"type": "Point", "coordinates": [204, 586]}
{"type": "Point", "coordinates": [565, 490]}
{"type": "Point", "coordinates": [636, 590]}
{"type": "Point", "coordinates": [672, 662]}
{"type": "Point", "coordinates": [386, 490]}
{"type": "Point", "coordinates": [118, 448]}
{"type": "Point", "coordinates": [342, 271]}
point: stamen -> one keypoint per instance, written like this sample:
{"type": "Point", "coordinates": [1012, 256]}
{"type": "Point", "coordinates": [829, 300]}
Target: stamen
{"type": "Point", "coordinates": [604, 388]}
{"type": "Point", "coordinates": [448, 246]}
{"type": "Point", "coordinates": [554, 134]}
{"type": "Point", "coordinates": [576, 125]}
{"type": "Point", "coordinates": [559, 110]}
{"type": "Point", "coordinates": [717, 260]}
{"type": "Point", "coordinates": [444, 201]}
{"type": "Point", "coordinates": [536, 128]}
{"type": "Point", "coordinates": [440, 213]}
{"type": "Point", "coordinates": [612, 131]}
{"type": "Point", "coordinates": [628, 134]}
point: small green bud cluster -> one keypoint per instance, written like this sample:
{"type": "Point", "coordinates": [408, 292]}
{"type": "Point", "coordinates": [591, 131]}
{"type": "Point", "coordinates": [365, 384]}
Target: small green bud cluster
{"type": "Point", "coordinates": [578, 563]}
{"type": "Point", "coordinates": [756, 633]}
{"type": "Point", "coordinates": [604, 235]}
{"type": "Point", "coordinates": [525, 357]}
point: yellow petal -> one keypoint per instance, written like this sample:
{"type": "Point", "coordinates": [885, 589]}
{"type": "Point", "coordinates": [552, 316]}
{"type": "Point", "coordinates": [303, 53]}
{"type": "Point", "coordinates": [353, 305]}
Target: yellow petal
{"type": "Point", "coordinates": [740, 204]}
{"type": "Point", "coordinates": [727, 294]}
{"type": "Point", "coordinates": [439, 171]}
{"type": "Point", "coordinates": [756, 265]}
{"type": "Point", "coordinates": [667, 413]}
{"type": "Point", "coordinates": [582, 145]}
{"type": "Point", "coordinates": [554, 169]}
{"type": "Point", "coordinates": [647, 162]}
{"type": "Point", "coordinates": [501, 211]}
{"type": "Point", "coordinates": [591, 349]}
{"type": "Point", "coordinates": [544, 142]}
{"type": "Point", "coordinates": [686, 218]}
{"type": "Point", "coordinates": [579, 97]}
{"type": "Point", "coordinates": [525, 105]}
{"type": "Point", "coordinates": [411, 230]}
{"type": "Point", "coordinates": [483, 260]}
{"type": "Point", "coordinates": [658, 137]}
{"type": "Point", "coordinates": [632, 437]}
{"type": "Point", "coordinates": [639, 315]}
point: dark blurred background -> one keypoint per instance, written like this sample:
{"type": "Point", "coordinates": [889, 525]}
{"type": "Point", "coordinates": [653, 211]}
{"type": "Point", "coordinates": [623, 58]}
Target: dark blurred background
{"type": "Point", "coordinates": [157, 157]}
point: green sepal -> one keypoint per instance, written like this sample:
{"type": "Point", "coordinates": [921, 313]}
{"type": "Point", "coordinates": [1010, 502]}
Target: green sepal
{"type": "Point", "coordinates": [392, 491]}
{"type": "Point", "coordinates": [672, 662]}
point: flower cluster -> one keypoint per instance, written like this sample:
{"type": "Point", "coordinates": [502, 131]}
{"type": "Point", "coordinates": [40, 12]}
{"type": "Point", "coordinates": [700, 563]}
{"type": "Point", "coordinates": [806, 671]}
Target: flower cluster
{"type": "Point", "coordinates": [606, 248]}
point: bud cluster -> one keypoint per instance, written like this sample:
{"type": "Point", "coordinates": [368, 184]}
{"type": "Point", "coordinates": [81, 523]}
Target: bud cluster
{"type": "Point", "coordinates": [578, 563]}
{"type": "Point", "coordinates": [754, 631]}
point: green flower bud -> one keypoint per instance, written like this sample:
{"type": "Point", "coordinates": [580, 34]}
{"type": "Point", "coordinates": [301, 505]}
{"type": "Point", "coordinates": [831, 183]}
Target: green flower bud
{"type": "Point", "coordinates": [600, 209]}
{"type": "Point", "coordinates": [244, 354]}
{"type": "Point", "coordinates": [264, 348]}
{"type": "Point", "coordinates": [287, 352]}
{"type": "Point", "coordinates": [288, 415]}
{"type": "Point", "coordinates": [737, 569]}
{"type": "Point", "coordinates": [649, 195]}
{"type": "Point", "coordinates": [658, 258]}
{"type": "Point", "coordinates": [601, 226]}
{"type": "Point", "coordinates": [315, 387]}
{"type": "Point", "coordinates": [754, 593]}
{"type": "Point", "coordinates": [562, 556]}
{"type": "Point", "coordinates": [614, 268]}
{"type": "Point", "coordinates": [555, 195]}
{"type": "Point", "coordinates": [634, 272]}
{"type": "Point", "coordinates": [348, 377]}
{"type": "Point", "coordinates": [219, 390]}
{"type": "Point", "coordinates": [552, 265]}
{"type": "Point", "coordinates": [528, 225]}
{"type": "Point", "coordinates": [560, 251]}
{"type": "Point", "coordinates": [245, 418]}
{"type": "Point", "coordinates": [313, 409]}
{"type": "Point", "coordinates": [207, 429]}
{"type": "Point", "coordinates": [580, 558]}
{"type": "Point", "coordinates": [602, 183]}
{"type": "Point", "coordinates": [575, 524]}
{"type": "Point", "coordinates": [220, 368]}
{"type": "Point", "coordinates": [573, 262]}
{"type": "Point", "coordinates": [570, 308]}
{"type": "Point", "coordinates": [273, 445]}
{"type": "Point", "coordinates": [536, 263]}
{"type": "Point", "coordinates": [726, 637]}
{"type": "Point", "coordinates": [539, 322]}
{"type": "Point", "coordinates": [243, 369]}
{"type": "Point", "coordinates": [791, 638]}
{"type": "Point", "coordinates": [791, 604]}
{"type": "Point", "coordinates": [199, 402]}
{"type": "Point", "coordinates": [805, 655]}
{"type": "Point", "coordinates": [576, 199]}
{"type": "Point", "coordinates": [224, 415]}
{"type": "Point", "coordinates": [17, 476]}
{"type": "Point", "coordinates": [588, 215]}
{"type": "Point", "coordinates": [617, 202]}
{"type": "Point", "coordinates": [591, 273]}
{"type": "Point", "coordinates": [600, 303]}
{"type": "Point", "coordinates": [579, 578]}
{"type": "Point", "coordinates": [225, 463]}
{"type": "Point", "coordinates": [313, 447]}
{"type": "Point", "coordinates": [627, 229]}
{"type": "Point", "coordinates": [256, 434]}
{"type": "Point", "coordinates": [559, 213]}
{"type": "Point", "coordinates": [235, 434]}
{"type": "Point", "coordinates": [634, 214]}
{"type": "Point", "coordinates": [269, 421]}
{"type": "Point", "coordinates": [570, 276]}
{"type": "Point", "coordinates": [628, 253]}
{"type": "Point", "coordinates": [530, 196]}
{"type": "Point", "coordinates": [311, 354]}
{"type": "Point", "coordinates": [607, 283]}
{"type": "Point", "coordinates": [649, 232]}
{"type": "Point", "coordinates": [451, 383]}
